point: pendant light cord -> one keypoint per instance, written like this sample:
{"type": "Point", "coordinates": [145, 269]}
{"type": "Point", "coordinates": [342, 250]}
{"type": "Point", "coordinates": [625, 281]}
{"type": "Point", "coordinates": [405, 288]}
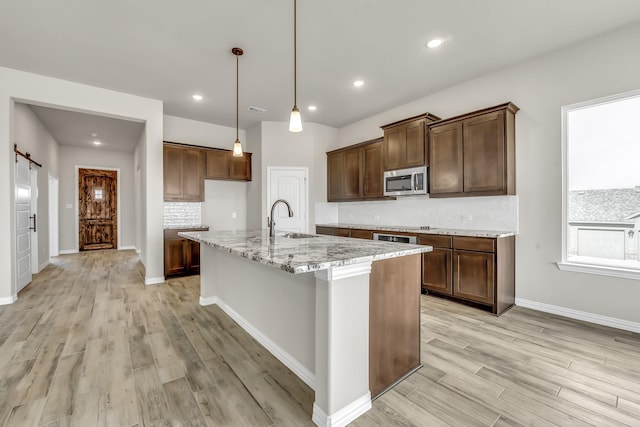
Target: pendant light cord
{"type": "Point", "coordinates": [295, 56]}
{"type": "Point", "coordinates": [237, 95]}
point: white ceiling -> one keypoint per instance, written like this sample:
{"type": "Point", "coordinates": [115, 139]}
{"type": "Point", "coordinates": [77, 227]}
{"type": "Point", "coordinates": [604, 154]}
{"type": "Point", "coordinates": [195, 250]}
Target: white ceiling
{"type": "Point", "coordinates": [169, 50]}
{"type": "Point", "coordinates": [76, 129]}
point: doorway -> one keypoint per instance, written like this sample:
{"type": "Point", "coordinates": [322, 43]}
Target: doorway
{"type": "Point", "coordinates": [289, 183]}
{"type": "Point", "coordinates": [97, 209]}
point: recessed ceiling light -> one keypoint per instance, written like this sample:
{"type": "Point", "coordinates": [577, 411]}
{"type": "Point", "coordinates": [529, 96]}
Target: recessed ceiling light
{"type": "Point", "coordinates": [96, 142]}
{"type": "Point", "coordinates": [94, 135]}
{"type": "Point", "coordinates": [435, 42]}
{"type": "Point", "coordinates": [312, 108]}
{"type": "Point", "coordinates": [197, 97]}
{"type": "Point", "coordinates": [358, 83]}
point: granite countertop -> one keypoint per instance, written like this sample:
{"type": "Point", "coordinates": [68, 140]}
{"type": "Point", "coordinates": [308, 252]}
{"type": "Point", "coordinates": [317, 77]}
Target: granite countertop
{"type": "Point", "coordinates": [186, 227]}
{"type": "Point", "coordinates": [418, 230]}
{"type": "Point", "coordinates": [302, 255]}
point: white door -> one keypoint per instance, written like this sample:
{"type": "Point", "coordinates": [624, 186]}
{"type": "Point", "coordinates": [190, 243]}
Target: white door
{"type": "Point", "coordinates": [289, 184]}
{"type": "Point", "coordinates": [23, 222]}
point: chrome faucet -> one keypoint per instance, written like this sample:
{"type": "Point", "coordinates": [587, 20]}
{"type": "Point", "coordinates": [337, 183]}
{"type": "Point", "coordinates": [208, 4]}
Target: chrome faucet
{"type": "Point", "coordinates": [271, 223]}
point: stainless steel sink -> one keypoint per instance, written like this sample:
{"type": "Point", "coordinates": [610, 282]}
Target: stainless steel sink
{"type": "Point", "coordinates": [297, 235]}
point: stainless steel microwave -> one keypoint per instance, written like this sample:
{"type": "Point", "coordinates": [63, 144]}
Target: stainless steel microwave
{"type": "Point", "coordinates": [405, 182]}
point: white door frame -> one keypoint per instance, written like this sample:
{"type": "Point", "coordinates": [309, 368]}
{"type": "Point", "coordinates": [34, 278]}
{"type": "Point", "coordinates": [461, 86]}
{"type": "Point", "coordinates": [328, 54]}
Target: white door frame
{"type": "Point", "coordinates": [54, 242]}
{"type": "Point", "coordinates": [77, 204]}
{"type": "Point", "coordinates": [306, 189]}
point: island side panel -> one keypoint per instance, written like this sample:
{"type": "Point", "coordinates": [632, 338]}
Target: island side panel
{"type": "Point", "coordinates": [394, 321]}
{"type": "Point", "coordinates": [277, 308]}
{"type": "Point", "coordinates": [342, 344]}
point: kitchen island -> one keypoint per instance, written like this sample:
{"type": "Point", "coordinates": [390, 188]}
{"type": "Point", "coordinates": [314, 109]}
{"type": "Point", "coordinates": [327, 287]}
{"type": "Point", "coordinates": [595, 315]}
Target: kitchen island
{"type": "Point", "coordinates": [341, 313]}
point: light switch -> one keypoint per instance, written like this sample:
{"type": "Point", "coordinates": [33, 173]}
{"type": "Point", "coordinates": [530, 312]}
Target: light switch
{"type": "Point", "coordinates": [69, 205]}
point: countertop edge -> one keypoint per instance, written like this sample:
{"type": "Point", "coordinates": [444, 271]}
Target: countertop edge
{"type": "Point", "coordinates": [496, 234]}
{"type": "Point", "coordinates": [311, 267]}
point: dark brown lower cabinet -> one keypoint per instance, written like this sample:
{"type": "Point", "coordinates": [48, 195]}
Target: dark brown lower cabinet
{"type": "Point", "coordinates": [181, 256]}
{"type": "Point", "coordinates": [480, 270]}
{"type": "Point", "coordinates": [474, 276]}
{"type": "Point", "coordinates": [476, 269]}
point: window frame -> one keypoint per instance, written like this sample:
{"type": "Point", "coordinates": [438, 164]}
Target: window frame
{"type": "Point", "coordinates": [583, 264]}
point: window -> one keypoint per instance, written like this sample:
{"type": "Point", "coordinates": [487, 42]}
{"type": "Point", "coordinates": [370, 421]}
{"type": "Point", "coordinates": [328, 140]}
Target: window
{"type": "Point", "coordinates": [601, 186]}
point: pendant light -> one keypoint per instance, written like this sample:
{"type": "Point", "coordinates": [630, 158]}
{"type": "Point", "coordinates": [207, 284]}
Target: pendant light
{"type": "Point", "coordinates": [237, 147]}
{"type": "Point", "coordinates": [295, 123]}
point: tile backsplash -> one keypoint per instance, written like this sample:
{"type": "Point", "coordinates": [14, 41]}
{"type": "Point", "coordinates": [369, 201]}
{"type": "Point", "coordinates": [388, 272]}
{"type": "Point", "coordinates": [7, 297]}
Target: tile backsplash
{"type": "Point", "coordinates": [477, 213]}
{"type": "Point", "coordinates": [178, 214]}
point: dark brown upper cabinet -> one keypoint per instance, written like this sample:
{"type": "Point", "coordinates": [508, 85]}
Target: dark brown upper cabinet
{"type": "Point", "coordinates": [473, 154]}
{"type": "Point", "coordinates": [405, 142]}
{"type": "Point", "coordinates": [355, 172]}
{"type": "Point", "coordinates": [183, 173]}
{"type": "Point", "coordinates": [222, 165]}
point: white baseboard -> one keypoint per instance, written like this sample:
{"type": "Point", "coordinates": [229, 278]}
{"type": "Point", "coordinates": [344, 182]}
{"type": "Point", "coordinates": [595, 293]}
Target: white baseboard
{"type": "Point", "coordinates": [43, 265]}
{"type": "Point", "coordinates": [208, 301]}
{"type": "Point", "coordinates": [138, 251]}
{"type": "Point", "coordinates": [126, 248]}
{"type": "Point", "coordinates": [68, 252]}
{"type": "Point", "coordinates": [8, 300]}
{"type": "Point", "coordinates": [153, 280]}
{"type": "Point", "coordinates": [289, 361]}
{"type": "Point", "coordinates": [344, 416]}
{"type": "Point", "coordinates": [580, 315]}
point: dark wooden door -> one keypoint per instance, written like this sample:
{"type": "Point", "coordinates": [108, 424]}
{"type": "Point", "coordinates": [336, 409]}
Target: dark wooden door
{"type": "Point", "coordinates": [474, 274]}
{"type": "Point", "coordinates": [436, 270]}
{"type": "Point", "coordinates": [395, 147]}
{"type": "Point", "coordinates": [484, 153]}
{"type": "Point", "coordinates": [175, 256]}
{"type": "Point", "coordinates": [192, 175]}
{"type": "Point", "coordinates": [240, 167]}
{"type": "Point", "coordinates": [445, 157]}
{"type": "Point", "coordinates": [172, 171]}
{"type": "Point", "coordinates": [217, 164]}
{"type": "Point", "coordinates": [373, 170]}
{"type": "Point", "coordinates": [193, 252]}
{"type": "Point", "coordinates": [415, 144]}
{"type": "Point", "coordinates": [352, 173]}
{"type": "Point", "coordinates": [335, 176]}
{"type": "Point", "coordinates": [97, 209]}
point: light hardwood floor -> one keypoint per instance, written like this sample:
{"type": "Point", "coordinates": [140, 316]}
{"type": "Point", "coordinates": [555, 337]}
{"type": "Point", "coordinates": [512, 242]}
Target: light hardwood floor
{"type": "Point", "coordinates": [87, 344]}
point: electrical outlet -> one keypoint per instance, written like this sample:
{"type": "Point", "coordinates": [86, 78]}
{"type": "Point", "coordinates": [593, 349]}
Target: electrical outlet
{"type": "Point", "coordinates": [465, 217]}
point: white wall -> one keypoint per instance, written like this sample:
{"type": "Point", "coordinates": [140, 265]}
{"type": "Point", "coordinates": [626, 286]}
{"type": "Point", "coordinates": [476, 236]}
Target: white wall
{"type": "Point", "coordinates": [70, 157]}
{"type": "Point", "coordinates": [254, 188]}
{"type": "Point", "coordinates": [32, 137]}
{"type": "Point", "coordinates": [540, 87]}
{"type": "Point", "coordinates": [18, 86]}
{"type": "Point", "coordinates": [225, 206]}
{"type": "Point", "coordinates": [305, 149]}
{"type": "Point", "coordinates": [476, 213]}
{"type": "Point", "coordinates": [193, 132]}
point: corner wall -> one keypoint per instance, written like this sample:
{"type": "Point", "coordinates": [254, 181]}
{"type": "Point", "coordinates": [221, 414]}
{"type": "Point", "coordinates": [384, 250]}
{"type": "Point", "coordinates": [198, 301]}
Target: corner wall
{"type": "Point", "coordinates": [540, 87]}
